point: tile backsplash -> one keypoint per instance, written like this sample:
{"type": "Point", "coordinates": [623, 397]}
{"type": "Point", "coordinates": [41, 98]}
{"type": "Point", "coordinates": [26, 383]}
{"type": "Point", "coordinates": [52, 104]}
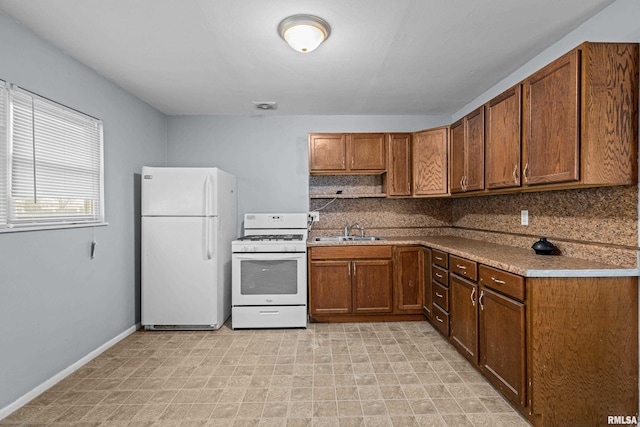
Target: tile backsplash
{"type": "Point", "coordinates": [599, 224]}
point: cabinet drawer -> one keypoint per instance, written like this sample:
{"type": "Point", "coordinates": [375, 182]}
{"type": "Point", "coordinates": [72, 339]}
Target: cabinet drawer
{"type": "Point", "coordinates": [440, 295]}
{"type": "Point", "coordinates": [351, 252]}
{"type": "Point", "coordinates": [440, 320]}
{"type": "Point", "coordinates": [440, 275]}
{"type": "Point", "coordinates": [506, 283]}
{"type": "Point", "coordinates": [440, 258]}
{"type": "Point", "coordinates": [464, 268]}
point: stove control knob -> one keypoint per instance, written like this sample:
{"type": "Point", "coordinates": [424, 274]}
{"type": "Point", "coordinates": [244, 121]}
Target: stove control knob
{"type": "Point", "coordinates": [253, 248]}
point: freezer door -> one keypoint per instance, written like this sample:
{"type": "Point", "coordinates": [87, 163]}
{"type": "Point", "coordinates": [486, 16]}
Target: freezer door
{"type": "Point", "coordinates": [168, 191]}
{"type": "Point", "coordinates": [179, 271]}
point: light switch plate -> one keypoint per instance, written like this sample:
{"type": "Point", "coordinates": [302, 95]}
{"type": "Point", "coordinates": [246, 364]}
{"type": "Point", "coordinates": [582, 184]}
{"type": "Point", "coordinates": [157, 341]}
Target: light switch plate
{"type": "Point", "coordinates": [524, 217]}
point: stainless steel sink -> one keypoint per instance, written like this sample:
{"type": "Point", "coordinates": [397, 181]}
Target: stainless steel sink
{"type": "Point", "coordinates": [348, 239]}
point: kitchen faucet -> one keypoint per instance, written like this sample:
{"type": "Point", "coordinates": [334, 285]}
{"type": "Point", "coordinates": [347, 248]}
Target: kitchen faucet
{"type": "Point", "coordinates": [348, 228]}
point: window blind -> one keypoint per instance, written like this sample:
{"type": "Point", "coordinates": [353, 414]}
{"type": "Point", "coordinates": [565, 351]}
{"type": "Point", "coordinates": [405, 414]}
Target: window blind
{"type": "Point", "coordinates": [56, 163]}
{"type": "Point", "coordinates": [4, 163]}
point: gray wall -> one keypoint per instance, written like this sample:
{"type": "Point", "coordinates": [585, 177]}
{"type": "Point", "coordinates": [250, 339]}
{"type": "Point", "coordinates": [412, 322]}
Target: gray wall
{"type": "Point", "coordinates": [56, 304]}
{"type": "Point", "coordinates": [268, 154]}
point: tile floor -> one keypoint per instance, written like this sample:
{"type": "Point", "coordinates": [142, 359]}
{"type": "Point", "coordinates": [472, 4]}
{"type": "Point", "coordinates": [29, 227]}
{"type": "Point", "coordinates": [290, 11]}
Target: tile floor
{"type": "Point", "coordinates": [353, 374]}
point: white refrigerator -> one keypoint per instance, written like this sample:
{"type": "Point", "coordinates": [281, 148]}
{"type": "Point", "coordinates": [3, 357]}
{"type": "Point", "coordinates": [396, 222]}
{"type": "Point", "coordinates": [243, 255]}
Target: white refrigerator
{"type": "Point", "coordinates": [188, 224]}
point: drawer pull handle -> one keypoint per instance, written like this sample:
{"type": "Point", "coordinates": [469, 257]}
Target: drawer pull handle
{"type": "Point", "coordinates": [473, 294]}
{"type": "Point", "coordinates": [480, 300]}
{"type": "Point", "coordinates": [515, 171]}
{"type": "Point", "coordinates": [524, 173]}
{"type": "Point", "coordinates": [461, 267]}
{"type": "Point", "coordinates": [498, 281]}
{"type": "Point", "coordinates": [439, 276]}
{"type": "Point", "coordinates": [438, 295]}
{"type": "Point", "coordinates": [439, 258]}
{"type": "Point", "coordinates": [439, 319]}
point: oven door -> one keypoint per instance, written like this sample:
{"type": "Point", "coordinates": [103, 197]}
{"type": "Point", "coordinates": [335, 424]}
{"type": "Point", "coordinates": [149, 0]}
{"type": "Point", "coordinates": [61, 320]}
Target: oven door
{"type": "Point", "coordinates": [269, 279]}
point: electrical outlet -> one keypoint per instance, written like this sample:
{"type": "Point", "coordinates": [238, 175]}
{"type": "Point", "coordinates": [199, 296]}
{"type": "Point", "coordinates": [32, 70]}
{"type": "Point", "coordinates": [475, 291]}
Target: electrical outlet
{"type": "Point", "coordinates": [524, 217]}
{"type": "Point", "coordinates": [314, 216]}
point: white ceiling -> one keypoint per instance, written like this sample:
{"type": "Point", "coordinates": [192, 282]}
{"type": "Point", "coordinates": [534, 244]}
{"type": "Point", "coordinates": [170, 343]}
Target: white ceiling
{"type": "Point", "coordinates": [383, 56]}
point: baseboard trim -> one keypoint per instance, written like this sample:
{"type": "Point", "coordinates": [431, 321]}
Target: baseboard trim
{"type": "Point", "coordinates": [23, 400]}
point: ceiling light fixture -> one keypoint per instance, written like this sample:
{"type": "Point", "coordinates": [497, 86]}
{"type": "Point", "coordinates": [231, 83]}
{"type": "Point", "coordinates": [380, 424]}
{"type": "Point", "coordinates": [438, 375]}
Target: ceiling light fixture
{"type": "Point", "coordinates": [265, 105]}
{"type": "Point", "coordinates": [304, 33]}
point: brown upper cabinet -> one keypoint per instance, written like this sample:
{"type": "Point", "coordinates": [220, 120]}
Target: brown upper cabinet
{"type": "Point", "coordinates": [502, 139]}
{"type": "Point", "coordinates": [351, 153]}
{"type": "Point", "coordinates": [466, 164]}
{"type": "Point", "coordinates": [398, 179]}
{"type": "Point", "coordinates": [430, 162]}
{"type": "Point", "coordinates": [572, 124]}
{"type": "Point", "coordinates": [552, 137]}
{"type": "Point", "coordinates": [580, 118]}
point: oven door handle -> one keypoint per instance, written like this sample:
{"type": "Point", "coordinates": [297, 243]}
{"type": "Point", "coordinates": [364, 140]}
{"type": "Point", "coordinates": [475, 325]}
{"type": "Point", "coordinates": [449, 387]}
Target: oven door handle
{"type": "Point", "coordinates": [270, 257]}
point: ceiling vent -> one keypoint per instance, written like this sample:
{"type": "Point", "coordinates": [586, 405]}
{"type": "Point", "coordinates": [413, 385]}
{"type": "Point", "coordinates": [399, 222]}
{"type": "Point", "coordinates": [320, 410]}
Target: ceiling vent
{"type": "Point", "coordinates": [265, 106]}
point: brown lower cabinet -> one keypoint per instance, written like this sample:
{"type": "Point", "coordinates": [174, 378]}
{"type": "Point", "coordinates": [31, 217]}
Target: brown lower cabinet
{"type": "Point", "coordinates": [409, 288]}
{"type": "Point", "coordinates": [357, 283]}
{"type": "Point", "coordinates": [463, 312]}
{"type": "Point", "coordinates": [501, 344]}
{"type": "Point", "coordinates": [563, 350]}
{"type": "Point", "coordinates": [426, 282]}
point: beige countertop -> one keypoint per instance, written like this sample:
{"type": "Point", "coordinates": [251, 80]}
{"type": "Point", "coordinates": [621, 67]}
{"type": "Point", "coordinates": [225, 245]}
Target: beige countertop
{"type": "Point", "coordinates": [519, 261]}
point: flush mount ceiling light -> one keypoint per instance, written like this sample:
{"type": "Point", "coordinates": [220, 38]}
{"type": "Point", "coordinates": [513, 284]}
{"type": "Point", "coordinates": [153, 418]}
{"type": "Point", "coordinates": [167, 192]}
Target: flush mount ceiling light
{"type": "Point", "coordinates": [265, 105]}
{"type": "Point", "coordinates": [304, 33]}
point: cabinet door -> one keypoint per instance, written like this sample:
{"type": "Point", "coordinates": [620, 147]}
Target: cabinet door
{"type": "Point", "coordinates": [551, 122]}
{"type": "Point", "coordinates": [368, 152]}
{"type": "Point", "coordinates": [399, 167]}
{"type": "Point", "coordinates": [408, 279]}
{"type": "Point", "coordinates": [502, 145]}
{"type": "Point", "coordinates": [430, 162]}
{"type": "Point", "coordinates": [502, 349]}
{"type": "Point", "coordinates": [456, 161]}
{"type": "Point", "coordinates": [426, 282]}
{"type": "Point", "coordinates": [327, 152]}
{"type": "Point", "coordinates": [330, 287]}
{"type": "Point", "coordinates": [463, 316]}
{"type": "Point", "coordinates": [474, 151]}
{"type": "Point", "coordinates": [372, 286]}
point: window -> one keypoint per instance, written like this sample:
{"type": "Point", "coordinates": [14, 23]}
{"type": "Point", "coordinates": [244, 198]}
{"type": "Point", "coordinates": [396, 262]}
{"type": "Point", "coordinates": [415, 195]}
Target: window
{"type": "Point", "coordinates": [53, 159]}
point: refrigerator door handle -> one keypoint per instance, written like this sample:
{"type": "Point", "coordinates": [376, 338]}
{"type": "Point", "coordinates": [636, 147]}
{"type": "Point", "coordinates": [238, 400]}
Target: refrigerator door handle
{"type": "Point", "coordinates": [207, 196]}
{"type": "Point", "coordinates": [207, 204]}
{"type": "Point", "coordinates": [207, 230]}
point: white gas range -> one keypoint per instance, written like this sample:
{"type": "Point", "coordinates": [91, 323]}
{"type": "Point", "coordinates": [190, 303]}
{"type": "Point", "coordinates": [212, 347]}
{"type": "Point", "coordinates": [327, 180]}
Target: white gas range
{"type": "Point", "coordinates": [269, 272]}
